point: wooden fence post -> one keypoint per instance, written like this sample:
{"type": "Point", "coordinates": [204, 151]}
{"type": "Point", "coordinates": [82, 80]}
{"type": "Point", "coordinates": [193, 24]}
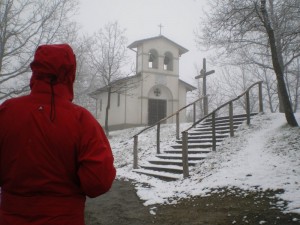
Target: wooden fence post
{"type": "Point", "coordinates": [213, 121]}
{"type": "Point", "coordinates": [260, 96]}
{"type": "Point", "coordinates": [231, 119]}
{"type": "Point", "coordinates": [194, 112]}
{"type": "Point", "coordinates": [248, 107]}
{"type": "Point", "coordinates": [177, 126]}
{"type": "Point", "coordinates": [185, 160]}
{"type": "Point", "coordinates": [158, 139]}
{"type": "Point", "coordinates": [135, 152]}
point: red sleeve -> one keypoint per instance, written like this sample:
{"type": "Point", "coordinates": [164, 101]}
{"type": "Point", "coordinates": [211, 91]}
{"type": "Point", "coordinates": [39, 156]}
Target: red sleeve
{"type": "Point", "coordinates": [96, 170]}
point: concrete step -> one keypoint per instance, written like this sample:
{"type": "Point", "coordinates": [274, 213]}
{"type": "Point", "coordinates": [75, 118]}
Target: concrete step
{"type": "Point", "coordinates": [194, 140]}
{"type": "Point", "coordinates": [223, 122]}
{"type": "Point", "coordinates": [209, 132]}
{"type": "Point", "coordinates": [190, 151]}
{"type": "Point", "coordinates": [179, 157]}
{"type": "Point", "coordinates": [199, 136]}
{"type": "Point", "coordinates": [161, 175]}
{"type": "Point", "coordinates": [176, 162]}
{"type": "Point", "coordinates": [217, 128]}
{"type": "Point", "coordinates": [163, 168]}
{"type": "Point", "coordinates": [194, 145]}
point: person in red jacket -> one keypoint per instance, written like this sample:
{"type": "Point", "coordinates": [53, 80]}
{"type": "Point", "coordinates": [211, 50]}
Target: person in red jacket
{"type": "Point", "coordinates": [53, 153]}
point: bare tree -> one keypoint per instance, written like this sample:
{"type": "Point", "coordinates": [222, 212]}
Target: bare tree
{"type": "Point", "coordinates": [269, 87]}
{"type": "Point", "coordinates": [84, 74]}
{"type": "Point", "coordinates": [292, 76]}
{"type": "Point", "coordinates": [108, 56]}
{"type": "Point", "coordinates": [235, 81]}
{"type": "Point", "coordinates": [277, 60]}
{"type": "Point", "coordinates": [247, 29]}
{"type": "Point", "coordinates": [25, 24]}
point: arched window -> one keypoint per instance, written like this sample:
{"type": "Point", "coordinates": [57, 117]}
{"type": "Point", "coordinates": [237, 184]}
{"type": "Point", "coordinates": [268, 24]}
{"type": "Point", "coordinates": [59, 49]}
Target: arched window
{"type": "Point", "coordinates": [153, 59]}
{"type": "Point", "coordinates": [168, 61]}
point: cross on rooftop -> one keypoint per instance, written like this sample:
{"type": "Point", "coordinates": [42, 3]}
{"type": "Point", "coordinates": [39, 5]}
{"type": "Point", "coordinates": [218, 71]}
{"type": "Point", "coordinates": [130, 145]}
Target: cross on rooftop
{"type": "Point", "coordinates": [160, 28]}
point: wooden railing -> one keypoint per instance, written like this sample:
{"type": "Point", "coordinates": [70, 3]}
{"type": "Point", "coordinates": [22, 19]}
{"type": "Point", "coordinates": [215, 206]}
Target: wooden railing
{"type": "Point", "coordinates": [213, 116]}
{"type": "Point", "coordinates": [135, 137]}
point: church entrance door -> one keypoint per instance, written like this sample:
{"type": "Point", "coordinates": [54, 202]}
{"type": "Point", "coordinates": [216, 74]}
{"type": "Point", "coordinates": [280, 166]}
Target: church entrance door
{"type": "Point", "coordinates": [157, 110]}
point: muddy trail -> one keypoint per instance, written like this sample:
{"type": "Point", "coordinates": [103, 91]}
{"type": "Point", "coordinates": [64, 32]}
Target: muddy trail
{"type": "Point", "coordinates": [121, 206]}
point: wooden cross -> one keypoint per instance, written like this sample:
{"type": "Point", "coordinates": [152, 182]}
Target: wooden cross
{"type": "Point", "coordinates": [203, 75]}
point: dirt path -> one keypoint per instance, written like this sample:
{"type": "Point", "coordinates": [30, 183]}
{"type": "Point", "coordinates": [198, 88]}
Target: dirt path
{"type": "Point", "coordinates": [121, 206]}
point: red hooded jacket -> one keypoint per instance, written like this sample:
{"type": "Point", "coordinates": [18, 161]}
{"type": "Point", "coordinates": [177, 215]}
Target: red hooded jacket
{"type": "Point", "coordinates": [53, 153]}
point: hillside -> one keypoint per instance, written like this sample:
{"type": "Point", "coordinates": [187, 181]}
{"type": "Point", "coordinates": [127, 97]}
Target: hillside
{"type": "Point", "coordinates": [262, 157]}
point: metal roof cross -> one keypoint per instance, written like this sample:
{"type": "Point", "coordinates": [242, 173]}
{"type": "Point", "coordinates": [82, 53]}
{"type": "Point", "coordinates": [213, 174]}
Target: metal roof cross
{"type": "Point", "coordinates": [160, 28]}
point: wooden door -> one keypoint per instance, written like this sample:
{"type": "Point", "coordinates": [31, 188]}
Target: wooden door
{"type": "Point", "coordinates": [157, 110]}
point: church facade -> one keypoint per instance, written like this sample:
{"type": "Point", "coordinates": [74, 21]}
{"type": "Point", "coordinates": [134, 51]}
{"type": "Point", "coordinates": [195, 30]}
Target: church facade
{"type": "Point", "coordinates": [153, 93]}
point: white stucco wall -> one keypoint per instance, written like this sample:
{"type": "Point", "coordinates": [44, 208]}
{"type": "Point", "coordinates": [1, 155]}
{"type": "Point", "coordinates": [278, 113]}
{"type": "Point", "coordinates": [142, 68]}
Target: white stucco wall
{"type": "Point", "coordinates": [182, 101]}
{"type": "Point", "coordinates": [133, 106]}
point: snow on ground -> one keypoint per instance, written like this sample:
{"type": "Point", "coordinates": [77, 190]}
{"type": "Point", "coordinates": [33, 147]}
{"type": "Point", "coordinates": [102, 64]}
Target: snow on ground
{"type": "Point", "coordinates": [264, 155]}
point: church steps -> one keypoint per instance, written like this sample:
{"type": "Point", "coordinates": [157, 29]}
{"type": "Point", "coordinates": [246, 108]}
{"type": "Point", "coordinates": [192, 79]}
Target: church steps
{"type": "Point", "coordinates": [168, 165]}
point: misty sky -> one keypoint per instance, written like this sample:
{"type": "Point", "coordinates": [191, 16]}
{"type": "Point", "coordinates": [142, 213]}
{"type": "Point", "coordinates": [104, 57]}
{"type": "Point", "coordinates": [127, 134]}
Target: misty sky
{"type": "Point", "coordinates": [141, 19]}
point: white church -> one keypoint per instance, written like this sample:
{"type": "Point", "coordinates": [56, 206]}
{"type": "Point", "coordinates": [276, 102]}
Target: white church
{"type": "Point", "coordinates": [153, 93]}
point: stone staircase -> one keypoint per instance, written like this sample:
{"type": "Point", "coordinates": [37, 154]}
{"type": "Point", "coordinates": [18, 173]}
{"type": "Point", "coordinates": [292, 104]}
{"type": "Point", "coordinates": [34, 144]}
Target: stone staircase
{"type": "Point", "coordinates": [168, 165]}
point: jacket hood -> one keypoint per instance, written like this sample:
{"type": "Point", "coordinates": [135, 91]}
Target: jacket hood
{"type": "Point", "coordinates": [56, 65]}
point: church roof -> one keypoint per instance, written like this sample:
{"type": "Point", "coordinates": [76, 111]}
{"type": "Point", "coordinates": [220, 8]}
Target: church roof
{"type": "Point", "coordinates": [189, 87]}
{"type": "Point", "coordinates": [135, 44]}
{"type": "Point", "coordinates": [113, 83]}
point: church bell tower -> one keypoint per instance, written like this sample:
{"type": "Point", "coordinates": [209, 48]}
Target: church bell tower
{"type": "Point", "coordinates": [157, 62]}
